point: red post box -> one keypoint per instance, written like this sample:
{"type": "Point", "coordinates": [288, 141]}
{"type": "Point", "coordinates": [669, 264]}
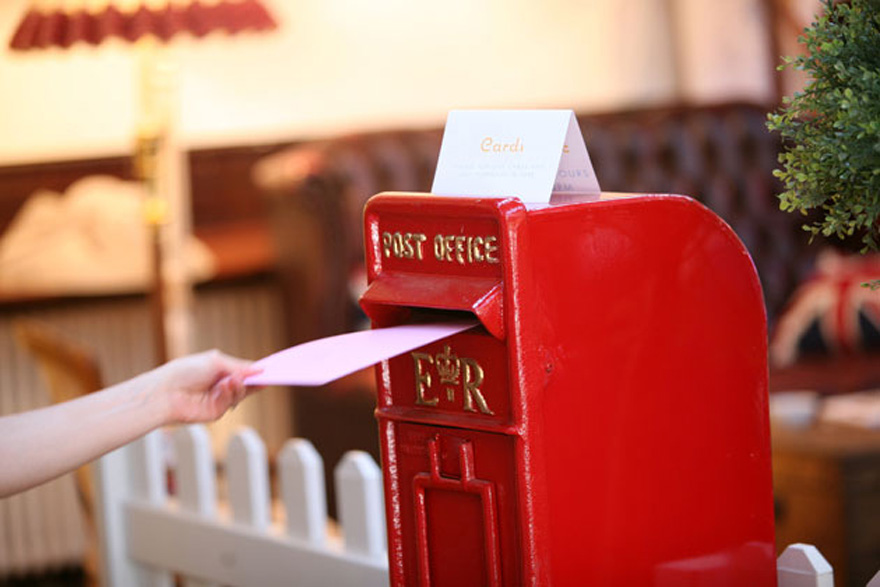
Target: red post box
{"type": "Point", "coordinates": [605, 425]}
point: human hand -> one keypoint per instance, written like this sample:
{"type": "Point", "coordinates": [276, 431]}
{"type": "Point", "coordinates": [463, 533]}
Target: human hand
{"type": "Point", "coordinates": [200, 387]}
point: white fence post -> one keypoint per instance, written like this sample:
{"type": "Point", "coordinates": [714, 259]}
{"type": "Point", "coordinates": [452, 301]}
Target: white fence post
{"type": "Point", "coordinates": [247, 479]}
{"type": "Point", "coordinates": [133, 472]}
{"type": "Point", "coordinates": [196, 477]}
{"type": "Point", "coordinates": [802, 565]}
{"type": "Point", "coordinates": [301, 471]}
{"type": "Point", "coordinates": [361, 504]}
{"type": "Point", "coordinates": [140, 524]}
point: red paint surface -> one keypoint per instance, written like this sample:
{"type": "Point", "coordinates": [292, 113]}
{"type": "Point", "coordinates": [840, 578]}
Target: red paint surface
{"type": "Point", "coordinates": [624, 365]}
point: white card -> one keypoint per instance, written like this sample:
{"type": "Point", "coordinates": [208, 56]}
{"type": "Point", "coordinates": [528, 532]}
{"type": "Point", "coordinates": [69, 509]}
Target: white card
{"type": "Point", "coordinates": [528, 154]}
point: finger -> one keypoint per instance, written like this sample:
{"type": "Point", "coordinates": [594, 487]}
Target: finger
{"type": "Point", "coordinates": [235, 388]}
{"type": "Point", "coordinates": [247, 374]}
{"type": "Point", "coordinates": [240, 389]}
{"type": "Point", "coordinates": [230, 363]}
{"type": "Point", "coordinates": [230, 390]}
{"type": "Point", "coordinates": [223, 393]}
{"type": "Point", "coordinates": [220, 389]}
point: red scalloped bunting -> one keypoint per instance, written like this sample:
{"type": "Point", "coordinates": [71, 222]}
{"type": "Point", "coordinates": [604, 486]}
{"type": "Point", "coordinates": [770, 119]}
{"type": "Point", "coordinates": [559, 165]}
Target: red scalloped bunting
{"type": "Point", "coordinates": [39, 30]}
{"type": "Point", "coordinates": [24, 35]}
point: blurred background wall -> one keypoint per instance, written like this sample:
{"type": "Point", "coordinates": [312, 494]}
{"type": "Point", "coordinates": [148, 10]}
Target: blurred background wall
{"type": "Point", "coordinates": [340, 65]}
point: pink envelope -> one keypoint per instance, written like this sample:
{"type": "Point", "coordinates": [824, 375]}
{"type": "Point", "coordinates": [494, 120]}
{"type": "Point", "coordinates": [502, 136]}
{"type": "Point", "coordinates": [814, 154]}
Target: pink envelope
{"type": "Point", "coordinates": [321, 361]}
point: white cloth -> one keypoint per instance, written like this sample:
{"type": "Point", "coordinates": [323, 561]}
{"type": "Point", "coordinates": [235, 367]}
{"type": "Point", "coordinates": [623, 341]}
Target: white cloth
{"type": "Point", "coordinates": [90, 240]}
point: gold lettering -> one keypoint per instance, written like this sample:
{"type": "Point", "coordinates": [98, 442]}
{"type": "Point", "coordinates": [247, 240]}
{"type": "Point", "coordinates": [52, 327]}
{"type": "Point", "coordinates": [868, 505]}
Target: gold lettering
{"type": "Point", "coordinates": [438, 247]}
{"type": "Point", "coordinates": [478, 245]}
{"type": "Point", "coordinates": [449, 244]}
{"type": "Point", "coordinates": [490, 145]}
{"type": "Point", "coordinates": [459, 249]}
{"type": "Point", "coordinates": [452, 372]}
{"type": "Point", "coordinates": [473, 378]}
{"type": "Point", "coordinates": [451, 248]}
{"type": "Point", "coordinates": [403, 245]}
{"type": "Point", "coordinates": [408, 249]}
{"type": "Point", "coordinates": [423, 380]}
{"type": "Point", "coordinates": [386, 243]}
{"type": "Point", "coordinates": [419, 238]}
{"type": "Point", "coordinates": [448, 366]}
{"type": "Point", "coordinates": [491, 249]}
{"type": "Point", "coordinates": [463, 249]}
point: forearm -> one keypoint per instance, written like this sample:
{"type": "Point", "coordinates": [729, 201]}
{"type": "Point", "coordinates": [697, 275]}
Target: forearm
{"type": "Point", "coordinates": [40, 445]}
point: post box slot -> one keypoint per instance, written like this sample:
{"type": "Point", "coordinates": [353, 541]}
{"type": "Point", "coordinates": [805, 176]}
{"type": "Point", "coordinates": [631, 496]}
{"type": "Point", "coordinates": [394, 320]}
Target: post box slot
{"type": "Point", "coordinates": [391, 298]}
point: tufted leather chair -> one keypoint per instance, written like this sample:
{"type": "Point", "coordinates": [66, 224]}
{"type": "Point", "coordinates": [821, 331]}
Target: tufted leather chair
{"type": "Point", "coordinates": [721, 155]}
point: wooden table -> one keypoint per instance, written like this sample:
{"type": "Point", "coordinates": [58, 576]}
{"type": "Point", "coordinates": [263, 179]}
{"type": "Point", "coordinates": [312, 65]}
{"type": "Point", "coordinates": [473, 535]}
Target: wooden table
{"type": "Point", "coordinates": [827, 488]}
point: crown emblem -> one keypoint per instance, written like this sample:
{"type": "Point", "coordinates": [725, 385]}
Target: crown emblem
{"type": "Point", "coordinates": [448, 366]}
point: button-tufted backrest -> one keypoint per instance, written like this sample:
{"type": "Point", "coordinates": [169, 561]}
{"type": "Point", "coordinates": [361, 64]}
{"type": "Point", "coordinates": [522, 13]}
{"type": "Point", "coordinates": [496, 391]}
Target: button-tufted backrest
{"type": "Point", "coordinates": [723, 156]}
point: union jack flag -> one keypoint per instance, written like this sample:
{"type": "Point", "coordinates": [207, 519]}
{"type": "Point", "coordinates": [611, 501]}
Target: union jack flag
{"type": "Point", "coordinates": [832, 312]}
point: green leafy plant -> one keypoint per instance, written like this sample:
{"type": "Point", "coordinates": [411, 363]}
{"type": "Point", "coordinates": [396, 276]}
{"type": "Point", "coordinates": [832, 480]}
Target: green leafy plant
{"type": "Point", "coordinates": [831, 129]}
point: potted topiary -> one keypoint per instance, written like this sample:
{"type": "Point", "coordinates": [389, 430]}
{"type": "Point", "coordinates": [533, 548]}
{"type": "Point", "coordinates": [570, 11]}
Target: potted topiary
{"type": "Point", "coordinates": [830, 170]}
{"type": "Point", "coordinates": [831, 129]}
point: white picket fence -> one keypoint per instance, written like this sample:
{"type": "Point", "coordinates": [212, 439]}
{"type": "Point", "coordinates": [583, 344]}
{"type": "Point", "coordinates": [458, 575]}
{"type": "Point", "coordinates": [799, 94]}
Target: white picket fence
{"type": "Point", "coordinates": [802, 565]}
{"type": "Point", "coordinates": [147, 538]}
